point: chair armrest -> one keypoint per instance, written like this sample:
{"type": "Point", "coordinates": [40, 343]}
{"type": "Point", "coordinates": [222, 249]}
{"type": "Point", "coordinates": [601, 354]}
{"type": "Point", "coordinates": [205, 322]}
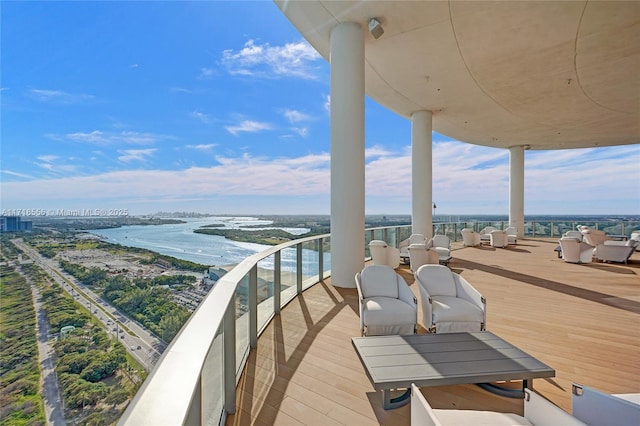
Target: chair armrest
{"type": "Point", "coordinates": [359, 287]}
{"type": "Point", "coordinates": [421, 412]}
{"type": "Point", "coordinates": [405, 294]}
{"type": "Point", "coordinates": [542, 412]}
{"type": "Point", "coordinates": [466, 291]}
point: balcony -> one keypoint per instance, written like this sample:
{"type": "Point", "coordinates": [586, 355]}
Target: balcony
{"type": "Point", "coordinates": [297, 365]}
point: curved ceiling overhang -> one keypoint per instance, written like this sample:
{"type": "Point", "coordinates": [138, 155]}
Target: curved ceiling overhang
{"type": "Point", "coordinates": [550, 75]}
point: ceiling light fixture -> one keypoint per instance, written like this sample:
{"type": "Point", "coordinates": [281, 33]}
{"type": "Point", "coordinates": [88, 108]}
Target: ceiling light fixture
{"type": "Point", "coordinates": [375, 28]}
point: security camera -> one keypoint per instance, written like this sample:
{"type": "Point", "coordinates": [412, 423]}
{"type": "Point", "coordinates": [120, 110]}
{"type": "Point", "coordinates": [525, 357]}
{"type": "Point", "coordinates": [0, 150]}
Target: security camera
{"type": "Point", "coordinates": [375, 28]}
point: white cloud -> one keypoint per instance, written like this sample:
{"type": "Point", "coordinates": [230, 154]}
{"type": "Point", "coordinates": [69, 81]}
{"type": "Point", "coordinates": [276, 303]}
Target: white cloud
{"type": "Point", "coordinates": [48, 158]}
{"type": "Point", "coordinates": [295, 116]}
{"type": "Point", "coordinates": [289, 60]}
{"type": "Point", "coordinates": [59, 97]}
{"type": "Point", "coordinates": [202, 147]}
{"type": "Point", "coordinates": [466, 179]}
{"type": "Point", "coordinates": [200, 116]}
{"type": "Point", "coordinates": [301, 131]}
{"type": "Point", "coordinates": [99, 137]}
{"type": "Point", "coordinates": [180, 90]}
{"type": "Point", "coordinates": [248, 126]}
{"type": "Point", "coordinates": [206, 73]}
{"type": "Point", "coordinates": [129, 155]}
{"type": "Point", "coordinates": [17, 174]}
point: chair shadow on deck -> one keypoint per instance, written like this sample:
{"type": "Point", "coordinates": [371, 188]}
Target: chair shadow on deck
{"type": "Point", "coordinates": [593, 296]}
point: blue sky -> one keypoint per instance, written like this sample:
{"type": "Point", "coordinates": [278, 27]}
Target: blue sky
{"type": "Point", "coordinates": [222, 107]}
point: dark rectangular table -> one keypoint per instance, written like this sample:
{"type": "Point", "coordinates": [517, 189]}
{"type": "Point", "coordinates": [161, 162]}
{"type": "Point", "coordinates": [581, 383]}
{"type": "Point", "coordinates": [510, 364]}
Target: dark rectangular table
{"type": "Point", "coordinates": [394, 362]}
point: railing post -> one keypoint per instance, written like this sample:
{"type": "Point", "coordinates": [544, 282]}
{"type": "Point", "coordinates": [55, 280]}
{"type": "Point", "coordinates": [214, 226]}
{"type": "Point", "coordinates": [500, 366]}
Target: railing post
{"type": "Point", "coordinates": [299, 267]}
{"type": "Point", "coordinates": [253, 306]}
{"type": "Point", "coordinates": [320, 259]}
{"type": "Point", "coordinates": [229, 357]}
{"type": "Point", "coordinates": [277, 281]}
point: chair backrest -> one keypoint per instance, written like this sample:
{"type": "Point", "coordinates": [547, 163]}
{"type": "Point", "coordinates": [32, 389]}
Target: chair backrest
{"type": "Point", "coordinates": [512, 230]}
{"type": "Point", "coordinates": [570, 249]}
{"type": "Point", "coordinates": [470, 237]}
{"type": "Point", "coordinates": [379, 280]}
{"type": "Point", "coordinates": [498, 238]}
{"type": "Point", "coordinates": [573, 234]}
{"type": "Point", "coordinates": [488, 229]}
{"type": "Point", "coordinates": [420, 255]}
{"type": "Point", "coordinates": [594, 237]}
{"type": "Point", "coordinates": [378, 248]}
{"type": "Point", "coordinates": [594, 407]}
{"type": "Point", "coordinates": [437, 280]}
{"type": "Point", "coordinates": [441, 241]}
{"type": "Point", "coordinates": [417, 239]}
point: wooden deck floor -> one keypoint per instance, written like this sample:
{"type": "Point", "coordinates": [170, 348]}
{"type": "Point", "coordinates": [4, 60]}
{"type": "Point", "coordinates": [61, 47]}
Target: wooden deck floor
{"type": "Point", "coordinates": [582, 320]}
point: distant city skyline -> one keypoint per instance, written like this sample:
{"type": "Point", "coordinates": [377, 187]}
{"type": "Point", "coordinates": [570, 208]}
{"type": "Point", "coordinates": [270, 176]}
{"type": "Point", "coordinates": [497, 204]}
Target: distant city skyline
{"type": "Point", "coordinates": [222, 108]}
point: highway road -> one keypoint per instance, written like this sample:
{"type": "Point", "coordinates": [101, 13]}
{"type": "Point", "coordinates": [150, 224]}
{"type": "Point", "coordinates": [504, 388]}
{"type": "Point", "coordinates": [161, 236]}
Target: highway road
{"type": "Point", "coordinates": [142, 344]}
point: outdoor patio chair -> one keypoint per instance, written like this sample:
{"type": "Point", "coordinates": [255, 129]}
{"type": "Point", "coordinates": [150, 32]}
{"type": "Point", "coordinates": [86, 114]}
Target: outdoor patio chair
{"type": "Point", "coordinates": [615, 251]}
{"type": "Point", "coordinates": [573, 234]}
{"type": "Point", "coordinates": [498, 238]}
{"type": "Point", "coordinates": [593, 237]}
{"type": "Point", "coordinates": [538, 411]}
{"type": "Point", "coordinates": [421, 255]}
{"type": "Point", "coordinates": [383, 254]}
{"type": "Point", "coordinates": [449, 303]}
{"type": "Point", "coordinates": [441, 244]}
{"type": "Point", "coordinates": [636, 236]}
{"type": "Point", "coordinates": [470, 238]}
{"type": "Point", "coordinates": [485, 233]}
{"type": "Point", "coordinates": [404, 245]}
{"type": "Point", "coordinates": [386, 303]}
{"type": "Point", "coordinates": [574, 251]}
{"type": "Point", "coordinates": [512, 235]}
{"type": "Point", "coordinates": [598, 408]}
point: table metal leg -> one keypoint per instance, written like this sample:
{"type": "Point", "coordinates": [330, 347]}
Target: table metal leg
{"type": "Point", "coordinates": [389, 403]}
{"type": "Point", "coordinates": [503, 391]}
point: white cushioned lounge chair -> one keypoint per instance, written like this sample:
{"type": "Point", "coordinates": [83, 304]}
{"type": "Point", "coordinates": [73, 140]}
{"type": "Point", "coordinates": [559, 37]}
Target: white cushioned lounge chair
{"type": "Point", "coordinates": [441, 244]}
{"type": "Point", "coordinates": [598, 408]}
{"type": "Point", "coordinates": [537, 412]}
{"type": "Point", "coordinates": [636, 236]}
{"type": "Point", "coordinates": [404, 245]}
{"type": "Point", "coordinates": [384, 254]}
{"type": "Point", "coordinates": [449, 303]}
{"type": "Point", "coordinates": [386, 303]}
{"type": "Point", "coordinates": [573, 234]}
{"type": "Point", "coordinates": [593, 237]}
{"type": "Point", "coordinates": [421, 255]}
{"type": "Point", "coordinates": [615, 251]}
{"type": "Point", "coordinates": [485, 233]}
{"type": "Point", "coordinates": [575, 251]}
{"type": "Point", "coordinates": [470, 238]}
{"type": "Point", "coordinates": [498, 238]}
{"type": "Point", "coordinates": [512, 235]}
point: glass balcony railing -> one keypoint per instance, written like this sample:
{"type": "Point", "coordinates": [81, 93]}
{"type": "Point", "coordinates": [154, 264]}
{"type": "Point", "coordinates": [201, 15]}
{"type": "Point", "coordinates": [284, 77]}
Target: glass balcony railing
{"type": "Point", "coordinates": [194, 381]}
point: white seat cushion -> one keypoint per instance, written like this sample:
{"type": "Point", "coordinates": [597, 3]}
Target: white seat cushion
{"type": "Point", "coordinates": [453, 309]}
{"type": "Point", "coordinates": [385, 310]}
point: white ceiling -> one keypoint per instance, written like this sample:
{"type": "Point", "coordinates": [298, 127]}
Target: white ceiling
{"type": "Point", "coordinates": [548, 74]}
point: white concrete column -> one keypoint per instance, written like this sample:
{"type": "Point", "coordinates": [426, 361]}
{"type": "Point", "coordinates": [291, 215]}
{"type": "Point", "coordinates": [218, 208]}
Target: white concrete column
{"type": "Point", "coordinates": [516, 189]}
{"type": "Point", "coordinates": [421, 173]}
{"type": "Point", "coordinates": [347, 153]}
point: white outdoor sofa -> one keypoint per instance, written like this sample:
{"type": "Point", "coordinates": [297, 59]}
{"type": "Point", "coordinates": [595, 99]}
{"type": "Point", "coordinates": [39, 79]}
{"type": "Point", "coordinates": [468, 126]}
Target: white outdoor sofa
{"type": "Point", "coordinates": [537, 411]}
